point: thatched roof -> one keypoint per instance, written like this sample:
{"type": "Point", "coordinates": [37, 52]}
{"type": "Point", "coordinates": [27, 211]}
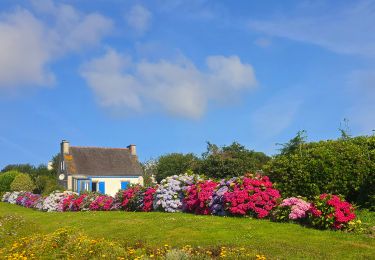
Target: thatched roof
{"type": "Point", "coordinates": [96, 161]}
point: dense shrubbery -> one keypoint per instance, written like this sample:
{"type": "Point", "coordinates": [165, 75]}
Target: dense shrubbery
{"type": "Point", "coordinates": [6, 180]}
{"type": "Point", "coordinates": [345, 166]}
{"type": "Point", "coordinates": [22, 182]}
{"type": "Point", "coordinates": [250, 195]}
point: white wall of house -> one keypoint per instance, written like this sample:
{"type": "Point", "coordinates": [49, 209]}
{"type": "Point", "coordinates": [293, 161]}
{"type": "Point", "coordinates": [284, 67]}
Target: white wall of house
{"type": "Point", "coordinates": [113, 184]}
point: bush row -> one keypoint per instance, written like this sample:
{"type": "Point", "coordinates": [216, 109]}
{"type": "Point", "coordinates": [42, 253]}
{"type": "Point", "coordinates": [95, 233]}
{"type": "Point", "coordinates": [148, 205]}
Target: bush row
{"type": "Point", "coordinates": [345, 166]}
{"type": "Point", "coordinates": [250, 195]}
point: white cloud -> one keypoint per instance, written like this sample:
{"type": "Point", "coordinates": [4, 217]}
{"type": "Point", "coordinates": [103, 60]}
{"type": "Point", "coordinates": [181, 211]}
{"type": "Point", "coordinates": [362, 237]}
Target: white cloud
{"type": "Point", "coordinates": [177, 87]}
{"type": "Point", "coordinates": [348, 30]}
{"type": "Point", "coordinates": [139, 18]}
{"type": "Point", "coordinates": [276, 114]}
{"type": "Point", "coordinates": [28, 44]}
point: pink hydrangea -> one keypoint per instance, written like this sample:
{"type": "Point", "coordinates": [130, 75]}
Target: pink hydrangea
{"type": "Point", "coordinates": [298, 207]}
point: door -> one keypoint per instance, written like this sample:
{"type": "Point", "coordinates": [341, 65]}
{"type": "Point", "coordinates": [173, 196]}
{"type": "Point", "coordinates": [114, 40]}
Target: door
{"type": "Point", "coordinates": [101, 187]}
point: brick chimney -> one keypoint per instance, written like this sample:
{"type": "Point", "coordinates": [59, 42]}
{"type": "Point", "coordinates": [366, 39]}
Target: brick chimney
{"type": "Point", "coordinates": [133, 150]}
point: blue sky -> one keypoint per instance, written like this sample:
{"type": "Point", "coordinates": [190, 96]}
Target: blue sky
{"type": "Point", "coordinates": [171, 75]}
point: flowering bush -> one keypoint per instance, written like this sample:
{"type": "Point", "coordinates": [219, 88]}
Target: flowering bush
{"type": "Point", "coordinates": [331, 211]}
{"type": "Point", "coordinates": [248, 195]}
{"type": "Point", "coordinates": [102, 202]}
{"type": "Point", "coordinates": [27, 199]}
{"type": "Point", "coordinates": [217, 201]}
{"type": "Point", "coordinates": [170, 193]}
{"type": "Point", "coordinates": [53, 202]}
{"type": "Point", "coordinates": [148, 199]}
{"type": "Point", "coordinates": [11, 197]}
{"type": "Point", "coordinates": [251, 196]}
{"type": "Point", "coordinates": [292, 209]}
{"type": "Point", "coordinates": [198, 197]}
{"type": "Point", "coordinates": [129, 199]}
{"type": "Point", "coordinates": [73, 202]}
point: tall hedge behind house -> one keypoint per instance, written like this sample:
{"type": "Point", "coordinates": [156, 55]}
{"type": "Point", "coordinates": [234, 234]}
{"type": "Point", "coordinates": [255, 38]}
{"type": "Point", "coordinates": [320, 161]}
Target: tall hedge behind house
{"type": "Point", "coordinates": [344, 166]}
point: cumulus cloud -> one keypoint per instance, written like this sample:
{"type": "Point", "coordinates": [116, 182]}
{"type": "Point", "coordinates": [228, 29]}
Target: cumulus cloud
{"type": "Point", "coordinates": [177, 87]}
{"type": "Point", "coordinates": [347, 30]}
{"type": "Point", "coordinates": [28, 44]}
{"type": "Point", "coordinates": [139, 18]}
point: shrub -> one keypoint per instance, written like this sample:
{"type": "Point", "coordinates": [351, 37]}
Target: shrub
{"type": "Point", "coordinates": [331, 211]}
{"type": "Point", "coordinates": [292, 209]}
{"type": "Point", "coordinates": [170, 192]}
{"type": "Point", "coordinates": [102, 203]}
{"type": "Point", "coordinates": [53, 202]}
{"type": "Point", "coordinates": [22, 182]}
{"type": "Point", "coordinates": [232, 160]}
{"type": "Point", "coordinates": [198, 197]}
{"type": "Point", "coordinates": [175, 163]}
{"type": "Point", "coordinates": [252, 195]}
{"type": "Point", "coordinates": [130, 198]}
{"type": "Point", "coordinates": [343, 166]}
{"type": "Point", "coordinates": [6, 180]}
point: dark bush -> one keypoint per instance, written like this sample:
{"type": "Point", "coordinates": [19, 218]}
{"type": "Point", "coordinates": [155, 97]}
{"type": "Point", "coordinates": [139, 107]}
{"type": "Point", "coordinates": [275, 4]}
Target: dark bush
{"type": "Point", "coordinates": [6, 178]}
{"type": "Point", "coordinates": [345, 166]}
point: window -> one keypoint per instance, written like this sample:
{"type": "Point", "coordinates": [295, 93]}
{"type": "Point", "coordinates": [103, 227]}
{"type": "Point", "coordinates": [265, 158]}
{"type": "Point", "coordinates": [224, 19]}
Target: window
{"type": "Point", "coordinates": [94, 186]}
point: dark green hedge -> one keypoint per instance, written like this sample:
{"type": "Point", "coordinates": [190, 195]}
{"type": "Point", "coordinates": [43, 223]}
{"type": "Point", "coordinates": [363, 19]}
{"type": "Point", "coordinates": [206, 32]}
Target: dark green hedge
{"type": "Point", "coordinates": [344, 166]}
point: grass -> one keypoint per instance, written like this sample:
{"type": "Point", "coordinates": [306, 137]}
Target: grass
{"type": "Point", "coordinates": [275, 240]}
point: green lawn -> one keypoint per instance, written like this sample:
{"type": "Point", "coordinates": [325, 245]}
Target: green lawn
{"type": "Point", "coordinates": [275, 240]}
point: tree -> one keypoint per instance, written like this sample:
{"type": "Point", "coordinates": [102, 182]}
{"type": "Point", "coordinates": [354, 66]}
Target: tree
{"type": "Point", "coordinates": [294, 144]}
{"type": "Point", "coordinates": [6, 180]}
{"type": "Point", "coordinates": [149, 172]}
{"type": "Point", "coordinates": [175, 163]}
{"type": "Point", "coordinates": [229, 161]}
{"type": "Point", "coordinates": [22, 182]}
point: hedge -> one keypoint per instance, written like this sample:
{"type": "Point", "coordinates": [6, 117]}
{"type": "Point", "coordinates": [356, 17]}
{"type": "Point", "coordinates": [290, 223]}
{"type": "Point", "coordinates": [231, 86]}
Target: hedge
{"type": "Point", "coordinates": [344, 166]}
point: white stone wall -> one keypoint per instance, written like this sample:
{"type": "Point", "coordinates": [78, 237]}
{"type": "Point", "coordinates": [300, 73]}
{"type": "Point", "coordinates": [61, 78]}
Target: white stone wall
{"type": "Point", "coordinates": [113, 185]}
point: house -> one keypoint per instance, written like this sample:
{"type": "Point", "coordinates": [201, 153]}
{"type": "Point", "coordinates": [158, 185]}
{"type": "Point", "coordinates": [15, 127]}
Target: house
{"type": "Point", "coordinates": [104, 170]}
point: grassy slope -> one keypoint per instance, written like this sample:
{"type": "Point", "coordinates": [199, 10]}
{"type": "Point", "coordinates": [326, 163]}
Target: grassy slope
{"type": "Point", "coordinates": [272, 239]}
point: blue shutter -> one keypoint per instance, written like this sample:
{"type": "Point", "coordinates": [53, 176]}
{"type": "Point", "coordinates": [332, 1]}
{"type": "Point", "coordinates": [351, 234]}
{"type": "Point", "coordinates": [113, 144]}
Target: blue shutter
{"type": "Point", "coordinates": [102, 187]}
{"type": "Point", "coordinates": [124, 185]}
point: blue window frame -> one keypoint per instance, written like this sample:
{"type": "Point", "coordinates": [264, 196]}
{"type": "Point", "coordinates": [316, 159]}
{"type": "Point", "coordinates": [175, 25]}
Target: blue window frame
{"type": "Point", "coordinates": [101, 187]}
{"type": "Point", "coordinates": [124, 185]}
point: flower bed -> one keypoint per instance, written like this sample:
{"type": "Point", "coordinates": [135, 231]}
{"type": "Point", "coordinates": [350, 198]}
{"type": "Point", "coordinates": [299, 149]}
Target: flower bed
{"type": "Point", "coordinates": [250, 195]}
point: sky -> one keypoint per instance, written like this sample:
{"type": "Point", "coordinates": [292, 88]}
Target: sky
{"type": "Point", "coordinates": [169, 76]}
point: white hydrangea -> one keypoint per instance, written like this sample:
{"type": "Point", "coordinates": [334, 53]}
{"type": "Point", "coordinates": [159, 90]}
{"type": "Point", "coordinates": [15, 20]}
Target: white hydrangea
{"type": "Point", "coordinates": [53, 202]}
{"type": "Point", "coordinates": [11, 197]}
{"type": "Point", "coordinates": [170, 192]}
{"type": "Point", "coordinates": [6, 196]}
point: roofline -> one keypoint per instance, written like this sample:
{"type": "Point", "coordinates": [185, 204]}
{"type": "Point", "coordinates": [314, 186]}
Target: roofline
{"type": "Point", "coordinates": [96, 147]}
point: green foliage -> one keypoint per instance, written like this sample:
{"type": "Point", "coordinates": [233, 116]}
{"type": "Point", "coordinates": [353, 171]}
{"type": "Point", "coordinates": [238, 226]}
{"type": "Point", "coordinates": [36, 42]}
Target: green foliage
{"type": "Point", "coordinates": [6, 178]}
{"type": "Point", "coordinates": [149, 172]}
{"type": "Point", "coordinates": [175, 163]}
{"type": "Point", "coordinates": [22, 182]}
{"type": "Point", "coordinates": [345, 166]}
{"type": "Point", "coordinates": [45, 180]}
{"type": "Point", "coordinates": [229, 161]}
{"type": "Point", "coordinates": [155, 229]}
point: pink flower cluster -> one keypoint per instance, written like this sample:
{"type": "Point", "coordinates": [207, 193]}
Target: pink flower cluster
{"type": "Point", "coordinates": [148, 199]}
{"type": "Point", "coordinates": [73, 202]}
{"type": "Point", "coordinates": [251, 196]}
{"type": "Point", "coordinates": [102, 202]}
{"type": "Point", "coordinates": [27, 199]}
{"type": "Point", "coordinates": [127, 196]}
{"type": "Point", "coordinates": [298, 207]}
{"type": "Point", "coordinates": [198, 197]}
{"type": "Point", "coordinates": [332, 209]}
